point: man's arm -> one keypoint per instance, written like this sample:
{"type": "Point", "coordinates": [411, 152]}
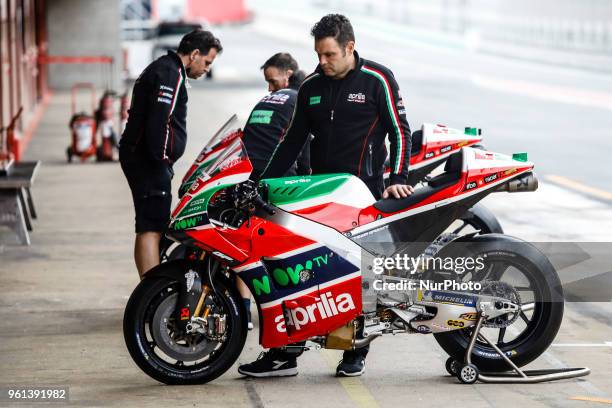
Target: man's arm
{"type": "Point", "coordinates": [303, 161]}
{"type": "Point", "coordinates": [292, 142]}
{"type": "Point", "coordinates": [164, 94]}
{"type": "Point", "coordinates": [393, 117]}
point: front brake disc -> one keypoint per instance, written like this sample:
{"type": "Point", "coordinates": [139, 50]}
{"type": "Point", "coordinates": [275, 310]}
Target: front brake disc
{"type": "Point", "coordinates": [187, 347]}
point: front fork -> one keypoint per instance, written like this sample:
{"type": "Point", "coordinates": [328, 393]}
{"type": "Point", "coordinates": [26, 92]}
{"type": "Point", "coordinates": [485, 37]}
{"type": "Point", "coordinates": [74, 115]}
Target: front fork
{"type": "Point", "coordinates": [193, 293]}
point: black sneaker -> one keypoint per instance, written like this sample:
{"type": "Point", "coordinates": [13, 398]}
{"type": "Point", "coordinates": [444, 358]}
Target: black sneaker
{"type": "Point", "coordinates": [270, 363]}
{"type": "Point", "coordinates": [351, 367]}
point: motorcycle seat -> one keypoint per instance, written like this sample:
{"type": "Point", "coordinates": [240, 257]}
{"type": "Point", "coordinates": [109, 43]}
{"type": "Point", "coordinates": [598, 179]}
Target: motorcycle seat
{"type": "Point", "coordinates": [450, 176]}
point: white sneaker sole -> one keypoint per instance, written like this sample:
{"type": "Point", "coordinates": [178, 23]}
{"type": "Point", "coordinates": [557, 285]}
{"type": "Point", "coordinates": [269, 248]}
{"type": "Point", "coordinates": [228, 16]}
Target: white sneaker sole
{"type": "Point", "coordinates": [343, 373]}
{"type": "Point", "coordinates": [287, 372]}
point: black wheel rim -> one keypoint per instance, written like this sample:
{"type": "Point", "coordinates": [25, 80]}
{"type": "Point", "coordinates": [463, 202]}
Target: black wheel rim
{"type": "Point", "coordinates": [149, 343]}
{"type": "Point", "coordinates": [530, 290]}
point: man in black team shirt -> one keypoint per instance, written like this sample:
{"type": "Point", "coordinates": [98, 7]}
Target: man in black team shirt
{"type": "Point", "coordinates": [349, 105]}
{"type": "Point", "coordinates": [268, 122]}
{"type": "Point", "coordinates": [270, 118]}
{"type": "Point", "coordinates": [155, 137]}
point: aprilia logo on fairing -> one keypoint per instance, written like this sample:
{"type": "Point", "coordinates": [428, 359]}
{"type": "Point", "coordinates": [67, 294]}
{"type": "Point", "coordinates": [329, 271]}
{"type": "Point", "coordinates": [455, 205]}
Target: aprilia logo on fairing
{"type": "Point", "coordinates": [325, 307]}
{"type": "Point", "coordinates": [301, 180]}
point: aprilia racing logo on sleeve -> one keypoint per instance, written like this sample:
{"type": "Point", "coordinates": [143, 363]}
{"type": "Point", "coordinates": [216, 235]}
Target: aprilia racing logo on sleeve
{"type": "Point", "coordinates": [325, 307]}
{"type": "Point", "coordinates": [165, 94]}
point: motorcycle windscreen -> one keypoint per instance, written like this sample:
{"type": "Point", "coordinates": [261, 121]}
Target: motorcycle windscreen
{"type": "Point", "coordinates": [211, 152]}
{"type": "Point", "coordinates": [190, 219]}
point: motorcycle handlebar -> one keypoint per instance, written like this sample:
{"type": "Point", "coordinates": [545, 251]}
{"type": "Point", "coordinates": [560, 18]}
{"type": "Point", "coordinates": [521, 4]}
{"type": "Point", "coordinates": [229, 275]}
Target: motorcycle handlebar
{"type": "Point", "coordinates": [259, 202]}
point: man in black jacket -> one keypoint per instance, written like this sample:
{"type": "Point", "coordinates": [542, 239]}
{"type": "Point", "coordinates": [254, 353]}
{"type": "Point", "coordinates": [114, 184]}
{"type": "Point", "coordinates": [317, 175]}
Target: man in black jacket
{"type": "Point", "coordinates": [349, 105]}
{"type": "Point", "coordinates": [155, 137]}
{"type": "Point", "coordinates": [270, 118]}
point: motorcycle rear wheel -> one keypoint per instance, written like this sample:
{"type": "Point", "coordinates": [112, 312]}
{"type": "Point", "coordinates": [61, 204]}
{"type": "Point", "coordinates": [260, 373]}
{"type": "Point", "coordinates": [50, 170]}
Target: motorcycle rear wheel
{"type": "Point", "coordinates": [541, 324]}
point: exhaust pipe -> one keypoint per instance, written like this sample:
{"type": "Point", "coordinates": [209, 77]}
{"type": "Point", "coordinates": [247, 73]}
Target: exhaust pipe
{"type": "Point", "coordinates": [523, 183]}
{"type": "Point", "coordinates": [359, 343]}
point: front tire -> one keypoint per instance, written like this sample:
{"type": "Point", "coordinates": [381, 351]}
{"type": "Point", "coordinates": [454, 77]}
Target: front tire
{"type": "Point", "coordinates": [155, 348]}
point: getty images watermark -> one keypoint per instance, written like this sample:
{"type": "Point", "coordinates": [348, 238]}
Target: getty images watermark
{"type": "Point", "coordinates": [404, 264]}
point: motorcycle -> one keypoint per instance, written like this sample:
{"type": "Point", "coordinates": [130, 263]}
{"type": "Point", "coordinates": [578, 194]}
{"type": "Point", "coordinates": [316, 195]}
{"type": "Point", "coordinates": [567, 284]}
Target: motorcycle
{"type": "Point", "coordinates": [306, 247]}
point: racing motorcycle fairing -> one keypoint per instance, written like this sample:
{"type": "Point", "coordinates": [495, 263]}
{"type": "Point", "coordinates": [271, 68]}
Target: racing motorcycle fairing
{"type": "Point", "coordinates": [469, 175]}
{"type": "Point", "coordinates": [210, 153]}
{"type": "Point", "coordinates": [432, 145]}
{"type": "Point", "coordinates": [301, 293]}
{"type": "Point", "coordinates": [439, 141]}
{"type": "Point", "coordinates": [304, 284]}
{"type": "Point", "coordinates": [331, 199]}
{"type": "Point", "coordinates": [190, 221]}
{"type": "Point", "coordinates": [305, 278]}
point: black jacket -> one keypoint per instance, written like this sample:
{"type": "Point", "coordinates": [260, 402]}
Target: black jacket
{"type": "Point", "coordinates": [266, 125]}
{"type": "Point", "coordinates": [156, 126]}
{"type": "Point", "coordinates": [349, 119]}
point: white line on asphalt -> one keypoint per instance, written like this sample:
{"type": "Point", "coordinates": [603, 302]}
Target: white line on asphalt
{"type": "Point", "coordinates": [578, 186]}
{"type": "Point", "coordinates": [605, 344]}
{"type": "Point", "coordinates": [591, 399]}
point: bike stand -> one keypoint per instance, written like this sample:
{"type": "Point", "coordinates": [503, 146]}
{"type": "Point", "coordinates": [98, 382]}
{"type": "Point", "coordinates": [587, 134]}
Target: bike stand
{"type": "Point", "coordinates": [468, 373]}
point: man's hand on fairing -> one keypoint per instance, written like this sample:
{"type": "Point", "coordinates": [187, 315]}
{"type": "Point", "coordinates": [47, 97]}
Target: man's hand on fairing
{"type": "Point", "coordinates": [398, 191]}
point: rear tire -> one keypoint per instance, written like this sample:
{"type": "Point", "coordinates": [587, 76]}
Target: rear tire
{"type": "Point", "coordinates": [138, 329]}
{"type": "Point", "coordinates": [548, 305]}
{"type": "Point", "coordinates": [478, 218]}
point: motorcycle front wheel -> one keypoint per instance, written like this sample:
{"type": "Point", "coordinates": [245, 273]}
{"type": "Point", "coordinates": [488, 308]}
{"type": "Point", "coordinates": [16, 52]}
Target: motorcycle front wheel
{"type": "Point", "coordinates": [172, 357]}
